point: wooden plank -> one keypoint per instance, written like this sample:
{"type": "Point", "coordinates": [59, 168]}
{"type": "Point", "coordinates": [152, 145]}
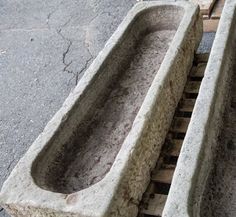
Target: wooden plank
{"type": "Point", "coordinates": [186, 105]}
{"type": "Point", "coordinates": [163, 175]}
{"type": "Point", "coordinates": [205, 17]}
{"type": "Point", "coordinates": [180, 125]}
{"type": "Point", "coordinates": [198, 71]}
{"type": "Point", "coordinates": [149, 191]}
{"type": "Point", "coordinates": [217, 9]}
{"type": "Point", "coordinates": [192, 87]}
{"type": "Point", "coordinates": [205, 6]}
{"type": "Point", "coordinates": [210, 25]}
{"type": "Point", "coordinates": [155, 205]}
{"type": "Point", "coordinates": [175, 150]}
{"type": "Point", "coordinates": [201, 57]}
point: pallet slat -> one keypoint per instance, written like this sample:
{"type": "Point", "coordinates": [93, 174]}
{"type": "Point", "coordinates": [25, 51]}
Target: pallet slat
{"type": "Point", "coordinates": [149, 191]}
{"type": "Point", "coordinates": [175, 150]}
{"type": "Point", "coordinates": [155, 205]}
{"type": "Point", "coordinates": [217, 10]}
{"type": "Point", "coordinates": [186, 105]}
{"type": "Point", "coordinates": [205, 6]}
{"type": "Point", "coordinates": [180, 125]}
{"type": "Point", "coordinates": [192, 87]}
{"type": "Point", "coordinates": [201, 57]}
{"type": "Point", "coordinates": [210, 25]}
{"type": "Point", "coordinates": [198, 71]}
{"type": "Point", "coordinates": [163, 175]}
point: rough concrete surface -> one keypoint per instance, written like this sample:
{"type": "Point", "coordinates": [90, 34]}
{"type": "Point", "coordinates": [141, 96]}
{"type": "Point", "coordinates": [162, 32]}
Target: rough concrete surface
{"type": "Point", "coordinates": [44, 47]}
{"type": "Point", "coordinates": [113, 120]}
{"type": "Point", "coordinates": [219, 198]}
{"type": "Point", "coordinates": [197, 154]}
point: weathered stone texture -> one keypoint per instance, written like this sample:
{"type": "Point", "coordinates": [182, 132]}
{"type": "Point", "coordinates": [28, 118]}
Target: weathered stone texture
{"type": "Point", "coordinates": [199, 145]}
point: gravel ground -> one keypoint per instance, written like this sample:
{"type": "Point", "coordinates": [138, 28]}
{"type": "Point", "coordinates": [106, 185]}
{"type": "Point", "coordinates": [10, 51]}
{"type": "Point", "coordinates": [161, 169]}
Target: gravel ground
{"type": "Point", "coordinates": [206, 43]}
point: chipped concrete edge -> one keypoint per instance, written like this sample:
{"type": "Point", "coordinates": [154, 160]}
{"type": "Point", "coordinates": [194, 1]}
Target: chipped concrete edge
{"type": "Point", "coordinates": [195, 159]}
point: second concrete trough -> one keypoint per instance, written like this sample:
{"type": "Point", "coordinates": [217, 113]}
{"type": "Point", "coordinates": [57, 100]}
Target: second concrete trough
{"type": "Point", "coordinates": [208, 131]}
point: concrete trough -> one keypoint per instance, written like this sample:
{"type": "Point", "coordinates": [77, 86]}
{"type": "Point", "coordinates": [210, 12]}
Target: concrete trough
{"type": "Point", "coordinates": [207, 133]}
{"type": "Point", "coordinates": [95, 156]}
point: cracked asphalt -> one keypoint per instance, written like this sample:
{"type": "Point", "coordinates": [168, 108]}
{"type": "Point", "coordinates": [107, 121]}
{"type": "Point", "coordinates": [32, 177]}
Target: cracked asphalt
{"type": "Point", "coordinates": [45, 48]}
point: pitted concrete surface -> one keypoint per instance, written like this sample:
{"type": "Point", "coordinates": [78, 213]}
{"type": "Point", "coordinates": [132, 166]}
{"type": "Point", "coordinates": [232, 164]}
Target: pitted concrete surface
{"type": "Point", "coordinates": [45, 47]}
{"type": "Point", "coordinates": [113, 120]}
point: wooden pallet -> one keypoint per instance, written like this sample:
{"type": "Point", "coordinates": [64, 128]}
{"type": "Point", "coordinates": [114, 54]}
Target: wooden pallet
{"type": "Point", "coordinates": [211, 20]}
{"type": "Point", "coordinates": [155, 197]}
{"type": "Point", "coordinates": [210, 25]}
{"type": "Point", "coordinates": [201, 58]}
{"type": "Point", "coordinates": [205, 6]}
{"type": "Point", "coordinates": [163, 175]}
{"type": "Point", "coordinates": [155, 205]}
{"type": "Point", "coordinates": [217, 10]}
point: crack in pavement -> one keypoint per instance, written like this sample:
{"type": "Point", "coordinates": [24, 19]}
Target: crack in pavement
{"type": "Point", "coordinates": [51, 13]}
{"type": "Point", "coordinates": [65, 53]}
{"type": "Point", "coordinates": [64, 58]}
{"type": "Point", "coordinates": [65, 69]}
{"type": "Point", "coordinates": [69, 42]}
{"type": "Point", "coordinates": [9, 165]}
{"type": "Point", "coordinates": [82, 70]}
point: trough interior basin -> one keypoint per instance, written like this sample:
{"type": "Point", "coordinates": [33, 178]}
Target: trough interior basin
{"type": "Point", "coordinates": [219, 198]}
{"type": "Point", "coordinates": [82, 154]}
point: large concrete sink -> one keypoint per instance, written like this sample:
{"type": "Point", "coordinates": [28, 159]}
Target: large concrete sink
{"type": "Point", "coordinates": [95, 156]}
{"type": "Point", "coordinates": [212, 129]}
